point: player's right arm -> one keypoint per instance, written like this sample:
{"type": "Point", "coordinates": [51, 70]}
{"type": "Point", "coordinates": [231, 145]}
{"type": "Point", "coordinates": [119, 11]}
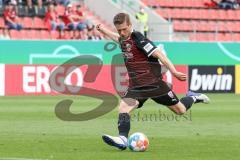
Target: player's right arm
{"type": "Point", "coordinates": [163, 58]}
{"type": "Point", "coordinates": [151, 50]}
{"type": "Point", "coordinates": [112, 35]}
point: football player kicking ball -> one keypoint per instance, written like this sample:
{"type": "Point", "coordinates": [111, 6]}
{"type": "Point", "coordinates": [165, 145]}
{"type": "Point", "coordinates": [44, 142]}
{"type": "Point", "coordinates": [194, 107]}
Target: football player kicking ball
{"type": "Point", "coordinates": [145, 79]}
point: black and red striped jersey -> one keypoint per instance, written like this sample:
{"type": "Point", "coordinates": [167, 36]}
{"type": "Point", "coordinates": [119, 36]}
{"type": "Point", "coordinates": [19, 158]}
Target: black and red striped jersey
{"type": "Point", "coordinates": [143, 69]}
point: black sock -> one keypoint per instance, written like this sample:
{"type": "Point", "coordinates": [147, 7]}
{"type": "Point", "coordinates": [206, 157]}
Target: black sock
{"type": "Point", "coordinates": [187, 102]}
{"type": "Point", "coordinates": [124, 124]}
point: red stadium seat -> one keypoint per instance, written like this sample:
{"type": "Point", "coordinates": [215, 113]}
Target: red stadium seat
{"type": "Point", "coordinates": [186, 26]}
{"type": "Point", "coordinates": [2, 25]}
{"type": "Point", "coordinates": [231, 26]}
{"type": "Point", "coordinates": [212, 26]}
{"type": "Point", "coordinates": [229, 37]}
{"type": "Point", "coordinates": [14, 34]}
{"type": "Point", "coordinates": [168, 13]}
{"type": "Point", "coordinates": [186, 3]}
{"type": "Point", "coordinates": [196, 26]}
{"type": "Point", "coordinates": [165, 3]}
{"type": "Point", "coordinates": [220, 37]}
{"type": "Point", "coordinates": [187, 13]}
{"type": "Point", "coordinates": [201, 37]}
{"type": "Point", "coordinates": [231, 15]}
{"type": "Point", "coordinates": [177, 25]}
{"type": "Point", "coordinates": [33, 34]}
{"type": "Point", "coordinates": [67, 35]}
{"type": "Point", "coordinates": [204, 13]}
{"type": "Point", "coordinates": [237, 26]}
{"type": "Point", "coordinates": [221, 26]}
{"type": "Point", "coordinates": [27, 22]}
{"type": "Point", "coordinates": [203, 26]}
{"type": "Point", "coordinates": [38, 23]}
{"type": "Point", "coordinates": [192, 15]}
{"type": "Point", "coordinates": [238, 37]}
{"type": "Point", "coordinates": [198, 3]}
{"type": "Point", "coordinates": [44, 35]}
{"type": "Point", "coordinates": [238, 14]}
{"type": "Point", "coordinates": [24, 34]}
{"type": "Point", "coordinates": [213, 14]}
{"type": "Point", "coordinates": [161, 12]}
{"type": "Point", "coordinates": [177, 3]}
{"type": "Point", "coordinates": [54, 34]}
{"type": "Point", "coordinates": [177, 13]}
{"type": "Point", "coordinates": [222, 15]}
{"type": "Point", "coordinates": [195, 14]}
{"type": "Point", "coordinates": [192, 37]}
{"type": "Point", "coordinates": [212, 37]}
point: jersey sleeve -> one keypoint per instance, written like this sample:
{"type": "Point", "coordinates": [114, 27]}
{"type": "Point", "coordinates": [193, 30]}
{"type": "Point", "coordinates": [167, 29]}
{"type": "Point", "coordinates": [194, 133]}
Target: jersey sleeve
{"type": "Point", "coordinates": [144, 44]}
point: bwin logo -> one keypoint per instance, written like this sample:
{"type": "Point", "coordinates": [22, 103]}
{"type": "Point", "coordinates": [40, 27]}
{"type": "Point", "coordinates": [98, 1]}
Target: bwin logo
{"type": "Point", "coordinates": [211, 82]}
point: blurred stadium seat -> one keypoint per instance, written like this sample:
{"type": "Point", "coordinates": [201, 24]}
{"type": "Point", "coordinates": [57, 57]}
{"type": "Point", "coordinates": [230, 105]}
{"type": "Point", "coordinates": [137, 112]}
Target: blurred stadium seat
{"type": "Point", "coordinates": [192, 16]}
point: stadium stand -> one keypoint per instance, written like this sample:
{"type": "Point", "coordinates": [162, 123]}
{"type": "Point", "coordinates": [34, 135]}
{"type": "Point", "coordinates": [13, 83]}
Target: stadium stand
{"type": "Point", "coordinates": [200, 23]}
{"type": "Point", "coordinates": [34, 27]}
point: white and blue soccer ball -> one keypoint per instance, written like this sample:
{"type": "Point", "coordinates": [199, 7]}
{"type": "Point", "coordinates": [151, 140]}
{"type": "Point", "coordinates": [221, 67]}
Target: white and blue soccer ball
{"type": "Point", "coordinates": [138, 142]}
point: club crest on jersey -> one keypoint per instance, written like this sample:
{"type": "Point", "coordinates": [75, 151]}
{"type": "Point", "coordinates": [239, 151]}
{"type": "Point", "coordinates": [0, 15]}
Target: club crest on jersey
{"type": "Point", "coordinates": [127, 48]}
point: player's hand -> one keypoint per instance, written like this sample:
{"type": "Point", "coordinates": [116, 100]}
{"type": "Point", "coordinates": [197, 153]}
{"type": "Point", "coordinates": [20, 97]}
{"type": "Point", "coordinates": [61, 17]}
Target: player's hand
{"type": "Point", "coordinates": [180, 76]}
{"type": "Point", "coordinates": [98, 27]}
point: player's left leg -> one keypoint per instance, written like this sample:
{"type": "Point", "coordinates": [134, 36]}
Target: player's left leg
{"type": "Point", "coordinates": [186, 102]}
{"type": "Point", "coordinates": [181, 106]}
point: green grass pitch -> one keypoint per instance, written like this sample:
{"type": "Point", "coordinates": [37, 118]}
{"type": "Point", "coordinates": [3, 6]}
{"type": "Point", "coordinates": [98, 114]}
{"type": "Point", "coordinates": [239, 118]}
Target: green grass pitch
{"type": "Point", "coordinates": [30, 130]}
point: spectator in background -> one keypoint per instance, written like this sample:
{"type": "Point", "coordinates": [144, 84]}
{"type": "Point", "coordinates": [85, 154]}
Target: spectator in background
{"type": "Point", "coordinates": [31, 10]}
{"type": "Point", "coordinates": [81, 23]}
{"type": "Point", "coordinates": [223, 4]}
{"type": "Point", "coordinates": [5, 2]}
{"type": "Point", "coordinates": [10, 17]}
{"type": "Point", "coordinates": [63, 2]}
{"type": "Point", "coordinates": [68, 19]}
{"type": "Point", "coordinates": [228, 4]}
{"type": "Point", "coordinates": [142, 17]}
{"type": "Point", "coordinates": [212, 4]}
{"type": "Point", "coordinates": [53, 22]}
{"type": "Point", "coordinates": [74, 22]}
{"type": "Point", "coordinates": [4, 35]}
{"type": "Point", "coordinates": [94, 35]}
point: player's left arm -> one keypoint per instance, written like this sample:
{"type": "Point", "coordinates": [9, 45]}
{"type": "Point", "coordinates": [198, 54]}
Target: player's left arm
{"type": "Point", "coordinates": [163, 58]}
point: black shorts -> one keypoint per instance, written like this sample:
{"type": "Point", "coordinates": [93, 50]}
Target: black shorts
{"type": "Point", "coordinates": [159, 92]}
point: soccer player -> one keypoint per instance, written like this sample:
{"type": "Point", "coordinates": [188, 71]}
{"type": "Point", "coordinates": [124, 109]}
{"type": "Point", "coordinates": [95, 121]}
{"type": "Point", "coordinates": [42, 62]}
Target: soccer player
{"type": "Point", "coordinates": [145, 80]}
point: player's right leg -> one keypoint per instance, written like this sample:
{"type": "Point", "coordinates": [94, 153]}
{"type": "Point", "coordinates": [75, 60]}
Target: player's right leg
{"type": "Point", "coordinates": [126, 106]}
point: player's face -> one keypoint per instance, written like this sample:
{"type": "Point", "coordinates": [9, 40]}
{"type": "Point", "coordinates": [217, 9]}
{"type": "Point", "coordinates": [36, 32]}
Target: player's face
{"type": "Point", "coordinates": [124, 30]}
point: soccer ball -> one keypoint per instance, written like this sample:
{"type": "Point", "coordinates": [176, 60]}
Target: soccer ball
{"type": "Point", "coordinates": [138, 142]}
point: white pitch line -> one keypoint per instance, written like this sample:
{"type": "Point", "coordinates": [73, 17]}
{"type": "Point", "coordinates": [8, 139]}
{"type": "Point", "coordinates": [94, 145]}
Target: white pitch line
{"type": "Point", "coordinates": [15, 158]}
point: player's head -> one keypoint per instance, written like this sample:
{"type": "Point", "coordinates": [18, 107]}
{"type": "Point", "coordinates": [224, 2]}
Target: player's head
{"type": "Point", "coordinates": [123, 25]}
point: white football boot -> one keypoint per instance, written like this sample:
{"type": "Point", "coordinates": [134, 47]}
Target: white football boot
{"type": "Point", "coordinates": [120, 142]}
{"type": "Point", "coordinates": [200, 98]}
